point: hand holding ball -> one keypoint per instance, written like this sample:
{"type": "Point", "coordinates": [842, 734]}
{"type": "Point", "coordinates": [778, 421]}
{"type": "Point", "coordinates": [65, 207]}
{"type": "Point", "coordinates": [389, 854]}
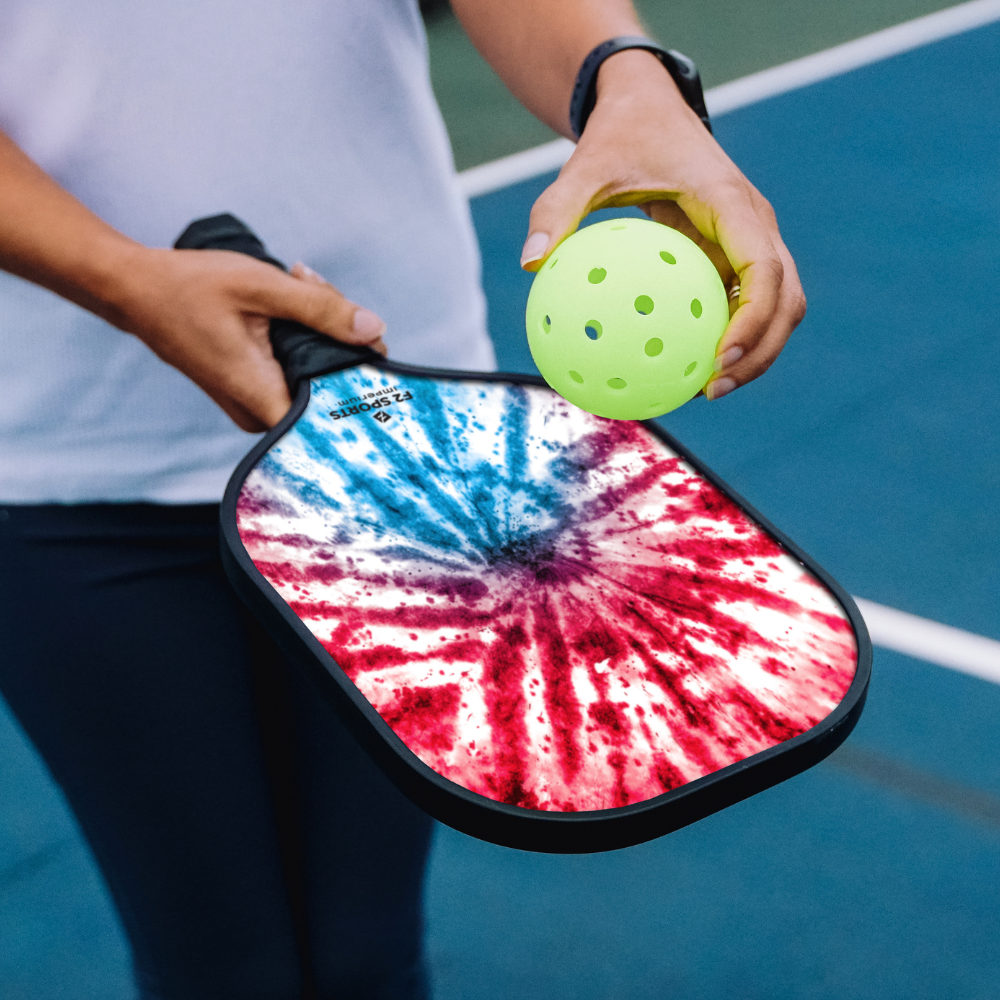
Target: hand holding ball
{"type": "Point", "coordinates": [624, 319]}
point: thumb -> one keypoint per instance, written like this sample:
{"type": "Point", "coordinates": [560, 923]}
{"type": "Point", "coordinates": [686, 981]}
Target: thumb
{"type": "Point", "coordinates": [554, 216]}
{"type": "Point", "coordinates": [317, 304]}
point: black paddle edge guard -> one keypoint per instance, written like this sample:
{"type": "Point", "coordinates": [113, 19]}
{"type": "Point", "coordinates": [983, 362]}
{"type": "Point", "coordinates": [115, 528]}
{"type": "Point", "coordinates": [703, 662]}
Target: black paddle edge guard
{"type": "Point", "coordinates": [497, 822]}
{"type": "Point", "coordinates": [301, 352]}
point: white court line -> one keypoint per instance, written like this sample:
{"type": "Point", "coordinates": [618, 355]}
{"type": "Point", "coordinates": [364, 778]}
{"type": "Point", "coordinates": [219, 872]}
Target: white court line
{"type": "Point", "coordinates": [852, 55]}
{"type": "Point", "coordinates": [929, 640]}
{"type": "Point", "coordinates": [759, 86]}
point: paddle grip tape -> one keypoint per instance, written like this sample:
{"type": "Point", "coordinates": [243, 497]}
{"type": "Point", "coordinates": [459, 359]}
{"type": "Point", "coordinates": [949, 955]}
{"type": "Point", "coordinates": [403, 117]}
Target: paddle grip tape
{"type": "Point", "coordinates": [681, 69]}
{"type": "Point", "coordinates": [301, 351]}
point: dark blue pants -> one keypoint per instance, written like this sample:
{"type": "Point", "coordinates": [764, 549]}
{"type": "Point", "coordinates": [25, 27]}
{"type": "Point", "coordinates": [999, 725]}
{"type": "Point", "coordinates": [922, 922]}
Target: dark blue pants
{"type": "Point", "coordinates": [253, 850]}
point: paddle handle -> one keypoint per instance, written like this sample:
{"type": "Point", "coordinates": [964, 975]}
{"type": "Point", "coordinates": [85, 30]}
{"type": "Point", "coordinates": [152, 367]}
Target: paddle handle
{"type": "Point", "coordinates": [301, 351]}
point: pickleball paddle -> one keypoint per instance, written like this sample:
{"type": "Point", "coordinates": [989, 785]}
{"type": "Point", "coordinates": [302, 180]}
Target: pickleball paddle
{"type": "Point", "coordinates": [552, 631]}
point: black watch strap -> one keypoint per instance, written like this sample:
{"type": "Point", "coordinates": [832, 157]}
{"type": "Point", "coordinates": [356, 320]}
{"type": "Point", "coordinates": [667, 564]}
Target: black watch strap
{"type": "Point", "coordinates": [680, 68]}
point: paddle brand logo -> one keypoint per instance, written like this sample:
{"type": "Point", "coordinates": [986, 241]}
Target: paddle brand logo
{"type": "Point", "coordinates": [371, 402]}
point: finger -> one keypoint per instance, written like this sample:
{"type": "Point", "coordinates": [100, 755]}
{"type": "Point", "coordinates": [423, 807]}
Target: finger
{"type": "Point", "coordinates": [670, 213]}
{"type": "Point", "coordinates": [749, 244]}
{"type": "Point", "coordinates": [318, 305]}
{"type": "Point", "coordinates": [241, 375]}
{"type": "Point", "coordinates": [243, 418]}
{"type": "Point", "coordinates": [555, 215]}
{"type": "Point", "coordinates": [750, 367]}
{"type": "Point", "coordinates": [269, 408]}
{"type": "Point", "coordinates": [580, 188]}
{"type": "Point", "coordinates": [736, 369]}
{"type": "Point", "coordinates": [259, 414]}
{"type": "Point", "coordinates": [305, 273]}
{"type": "Point", "coordinates": [246, 382]}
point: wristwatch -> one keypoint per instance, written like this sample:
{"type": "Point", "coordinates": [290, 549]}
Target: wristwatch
{"type": "Point", "coordinates": [680, 68]}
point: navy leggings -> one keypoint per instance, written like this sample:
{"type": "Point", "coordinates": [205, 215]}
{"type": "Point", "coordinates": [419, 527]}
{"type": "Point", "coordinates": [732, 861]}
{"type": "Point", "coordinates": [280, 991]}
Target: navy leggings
{"type": "Point", "coordinates": [254, 852]}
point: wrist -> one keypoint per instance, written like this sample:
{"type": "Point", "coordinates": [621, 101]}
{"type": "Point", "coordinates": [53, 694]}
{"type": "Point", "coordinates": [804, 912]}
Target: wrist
{"type": "Point", "coordinates": [634, 80]}
{"type": "Point", "coordinates": [115, 279]}
{"type": "Point", "coordinates": [636, 75]}
{"type": "Point", "coordinates": [89, 264]}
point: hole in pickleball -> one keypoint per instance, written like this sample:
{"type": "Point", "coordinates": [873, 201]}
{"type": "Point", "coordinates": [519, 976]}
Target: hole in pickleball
{"type": "Point", "coordinates": [696, 309]}
{"type": "Point", "coordinates": [644, 305]}
{"type": "Point", "coordinates": [546, 324]}
{"type": "Point", "coordinates": [576, 377]}
{"type": "Point", "coordinates": [597, 275]}
{"type": "Point", "coordinates": [617, 383]}
{"type": "Point", "coordinates": [690, 369]}
{"type": "Point", "coordinates": [593, 329]}
{"type": "Point", "coordinates": [653, 347]}
{"type": "Point", "coordinates": [668, 257]}
{"type": "Point", "coordinates": [617, 227]}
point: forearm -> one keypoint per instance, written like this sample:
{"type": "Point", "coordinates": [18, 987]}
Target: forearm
{"type": "Point", "coordinates": [50, 238]}
{"type": "Point", "coordinates": [537, 46]}
{"type": "Point", "coordinates": [206, 312]}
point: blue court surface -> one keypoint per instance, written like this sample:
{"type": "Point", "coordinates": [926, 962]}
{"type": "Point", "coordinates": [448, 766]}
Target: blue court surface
{"type": "Point", "coordinates": [875, 443]}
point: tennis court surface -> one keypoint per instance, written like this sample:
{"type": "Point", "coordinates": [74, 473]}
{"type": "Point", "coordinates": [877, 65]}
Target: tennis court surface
{"type": "Point", "coordinates": [874, 442]}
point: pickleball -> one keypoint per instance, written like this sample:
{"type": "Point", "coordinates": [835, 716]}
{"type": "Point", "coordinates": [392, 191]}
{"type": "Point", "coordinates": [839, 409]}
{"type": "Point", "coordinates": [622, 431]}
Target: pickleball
{"type": "Point", "coordinates": [624, 318]}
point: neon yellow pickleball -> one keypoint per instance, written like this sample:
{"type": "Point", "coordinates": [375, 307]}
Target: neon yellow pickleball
{"type": "Point", "coordinates": [624, 319]}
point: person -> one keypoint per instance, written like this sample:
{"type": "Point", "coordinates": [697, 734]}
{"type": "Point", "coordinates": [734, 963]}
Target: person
{"type": "Point", "coordinates": [250, 847]}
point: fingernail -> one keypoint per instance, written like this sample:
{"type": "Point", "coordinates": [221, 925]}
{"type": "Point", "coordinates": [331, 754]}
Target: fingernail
{"type": "Point", "coordinates": [367, 324]}
{"type": "Point", "coordinates": [727, 358]}
{"type": "Point", "coordinates": [306, 270]}
{"type": "Point", "coordinates": [534, 247]}
{"type": "Point", "coordinates": [719, 387]}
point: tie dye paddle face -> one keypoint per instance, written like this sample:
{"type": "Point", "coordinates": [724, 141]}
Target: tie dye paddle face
{"type": "Point", "coordinates": [553, 631]}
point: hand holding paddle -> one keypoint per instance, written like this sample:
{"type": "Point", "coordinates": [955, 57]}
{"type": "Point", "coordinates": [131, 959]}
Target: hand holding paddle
{"type": "Point", "coordinates": [208, 314]}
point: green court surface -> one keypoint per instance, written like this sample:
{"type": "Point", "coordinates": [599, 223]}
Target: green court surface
{"type": "Point", "coordinates": [728, 39]}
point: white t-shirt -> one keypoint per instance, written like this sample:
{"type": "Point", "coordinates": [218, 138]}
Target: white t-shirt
{"type": "Point", "coordinates": [311, 120]}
